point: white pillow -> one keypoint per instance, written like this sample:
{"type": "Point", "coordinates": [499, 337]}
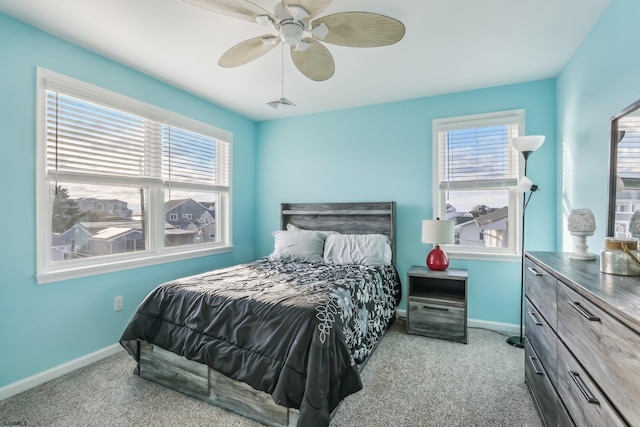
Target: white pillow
{"type": "Point", "coordinates": [366, 249]}
{"type": "Point", "coordinates": [297, 246]}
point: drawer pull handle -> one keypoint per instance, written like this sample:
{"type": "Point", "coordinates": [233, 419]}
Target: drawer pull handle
{"type": "Point", "coordinates": [583, 389]}
{"type": "Point", "coordinates": [535, 319]}
{"type": "Point", "coordinates": [590, 317]}
{"type": "Point", "coordinates": [534, 271]}
{"type": "Point", "coordinates": [534, 364]}
{"type": "Point", "coordinates": [428, 307]}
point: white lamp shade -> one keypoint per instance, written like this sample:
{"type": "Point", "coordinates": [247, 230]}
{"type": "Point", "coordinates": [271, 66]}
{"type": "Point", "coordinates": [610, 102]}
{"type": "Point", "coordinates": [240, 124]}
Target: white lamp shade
{"type": "Point", "coordinates": [527, 143]}
{"type": "Point", "coordinates": [437, 231]}
{"type": "Point", "coordinates": [524, 185]}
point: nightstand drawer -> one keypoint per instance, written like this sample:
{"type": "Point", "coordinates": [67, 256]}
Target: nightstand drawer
{"type": "Point", "coordinates": [583, 399]}
{"type": "Point", "coordinates": [436, 319]}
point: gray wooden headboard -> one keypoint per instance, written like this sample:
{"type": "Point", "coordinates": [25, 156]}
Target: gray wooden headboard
{"type": "Point", "coordinates": [346, 218]}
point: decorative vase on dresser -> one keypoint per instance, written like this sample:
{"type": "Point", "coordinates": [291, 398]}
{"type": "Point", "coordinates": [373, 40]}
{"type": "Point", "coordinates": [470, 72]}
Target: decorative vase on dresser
{"type": "Point", "coordinates": [582, 346]}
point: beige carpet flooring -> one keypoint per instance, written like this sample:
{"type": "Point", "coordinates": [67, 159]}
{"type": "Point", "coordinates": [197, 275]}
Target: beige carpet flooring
{"type": "Point", "coordinates": [409, 381]}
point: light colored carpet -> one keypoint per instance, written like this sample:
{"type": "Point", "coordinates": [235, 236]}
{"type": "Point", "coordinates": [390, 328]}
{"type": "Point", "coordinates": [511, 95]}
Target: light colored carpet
{"type": "Point", "coordinates": [409, 381]}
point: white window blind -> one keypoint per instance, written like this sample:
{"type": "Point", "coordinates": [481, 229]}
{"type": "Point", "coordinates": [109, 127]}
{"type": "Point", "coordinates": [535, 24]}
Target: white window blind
{"type": "Point", "coordinates": [85, 138]}
{"type": "Point", "coordinates": [193, 158]}
{"type": "Point", "coordinates": [478, 157]}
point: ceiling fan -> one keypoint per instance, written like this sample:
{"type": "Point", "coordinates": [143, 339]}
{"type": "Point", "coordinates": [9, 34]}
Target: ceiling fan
{"type": "Point", "coordinates": [299, 27]}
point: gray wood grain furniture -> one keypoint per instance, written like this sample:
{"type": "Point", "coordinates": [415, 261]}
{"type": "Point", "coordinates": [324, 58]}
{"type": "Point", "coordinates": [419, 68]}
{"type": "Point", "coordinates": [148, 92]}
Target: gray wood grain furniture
{"type": "Point", "coordinates": [582, 347]}
{"type": "Point", "coordinates": [437, 303]}
{"type": "Point", "coordinates": [202, 382]}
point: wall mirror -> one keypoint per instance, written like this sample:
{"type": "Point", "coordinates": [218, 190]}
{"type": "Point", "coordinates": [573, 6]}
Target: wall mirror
{"type": "Point", "coordinates": [624, 170]}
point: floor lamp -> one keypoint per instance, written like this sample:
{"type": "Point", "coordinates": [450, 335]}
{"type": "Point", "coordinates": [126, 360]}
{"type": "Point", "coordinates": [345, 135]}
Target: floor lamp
{"type": "Point", "coordinates": [525, 145]}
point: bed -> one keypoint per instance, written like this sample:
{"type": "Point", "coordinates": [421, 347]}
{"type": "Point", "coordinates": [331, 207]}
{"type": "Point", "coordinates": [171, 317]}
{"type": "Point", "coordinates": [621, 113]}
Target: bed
{"type": "Point", "coordinates": [282, 339]}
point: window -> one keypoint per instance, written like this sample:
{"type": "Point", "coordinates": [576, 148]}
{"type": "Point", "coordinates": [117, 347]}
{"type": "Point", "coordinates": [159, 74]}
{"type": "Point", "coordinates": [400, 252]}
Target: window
{"type": "Point", "coordinates": [113, 177]}
{"type": "Point", "coordinates": [475, 170]}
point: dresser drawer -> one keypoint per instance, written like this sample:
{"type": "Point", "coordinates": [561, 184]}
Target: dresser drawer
{"type": "Point", "coordinates": [609, 351]}
{"type": "Point", "coordinates": [587, 406]}
{"type": "Point", "coordinates": [564, 419]}
{"type": "Point", "coordinates": [435, 319]}
{"type": "Point", "coordinates": [540, 288]}
{"type": "Point", "coordinates": [543, 392]}
{"type": "Point", "coordinates": [542, 339]}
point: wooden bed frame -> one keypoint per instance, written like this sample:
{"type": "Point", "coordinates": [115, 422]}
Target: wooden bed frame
{"type": "Point", "coordinates": [200, 381]}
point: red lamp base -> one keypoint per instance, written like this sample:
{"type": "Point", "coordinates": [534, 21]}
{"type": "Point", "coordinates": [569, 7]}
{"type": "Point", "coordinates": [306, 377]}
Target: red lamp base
{"type": "Point", "coordinates": [437, 259]}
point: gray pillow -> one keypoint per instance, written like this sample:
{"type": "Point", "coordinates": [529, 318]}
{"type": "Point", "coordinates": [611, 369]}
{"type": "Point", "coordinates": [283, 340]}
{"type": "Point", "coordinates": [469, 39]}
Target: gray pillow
{"type": "Point", "coordinates": [297, 246]}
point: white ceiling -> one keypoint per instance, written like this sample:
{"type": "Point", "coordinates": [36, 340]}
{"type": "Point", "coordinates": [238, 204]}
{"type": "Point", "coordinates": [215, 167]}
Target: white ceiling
{"type": "Point", "coordinates": [449, 46]}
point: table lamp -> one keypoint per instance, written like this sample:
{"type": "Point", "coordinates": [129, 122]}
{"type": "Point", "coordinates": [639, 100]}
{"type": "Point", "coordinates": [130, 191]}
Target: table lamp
{"type": "Point", "coordinates": [435, 231]}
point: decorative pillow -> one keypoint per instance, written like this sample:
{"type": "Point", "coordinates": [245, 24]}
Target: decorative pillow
{"type": "Point", "coordinates": [292, 227]}
{"type": "Point", "coordinates": [297, 246]}
{"type": "Point", "coordinates": [366, 249]}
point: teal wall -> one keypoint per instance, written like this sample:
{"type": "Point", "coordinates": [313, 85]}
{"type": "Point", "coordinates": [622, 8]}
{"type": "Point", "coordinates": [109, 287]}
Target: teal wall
{"type": "Point", "coordinates": [43, 326]}
{"type": "Point", "coordinates": [383, 152]}
{"type": "Point", "coordinates": [602, 78]}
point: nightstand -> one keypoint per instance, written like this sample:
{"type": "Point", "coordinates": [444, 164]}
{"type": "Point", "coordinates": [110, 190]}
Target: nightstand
{"type": "Point", "coordinates": [437, 303]}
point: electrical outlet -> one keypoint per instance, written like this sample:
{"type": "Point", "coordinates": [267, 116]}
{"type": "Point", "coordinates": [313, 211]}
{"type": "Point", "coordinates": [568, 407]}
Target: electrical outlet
{"type": "Point", "coordinates": [117, 304]}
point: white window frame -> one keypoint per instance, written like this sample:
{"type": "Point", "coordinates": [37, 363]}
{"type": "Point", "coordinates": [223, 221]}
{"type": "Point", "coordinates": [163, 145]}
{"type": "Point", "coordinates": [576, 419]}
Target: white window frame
{"type": "Point", "coordinates": [512, 252]}
{"type": "Point", "coordinates": [48, 271]}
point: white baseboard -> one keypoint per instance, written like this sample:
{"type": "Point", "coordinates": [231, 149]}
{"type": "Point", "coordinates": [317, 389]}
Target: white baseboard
{"type": "Point", "coordinates": [58, 371]}
{"type": "Point", "coordinates": [506, 328]}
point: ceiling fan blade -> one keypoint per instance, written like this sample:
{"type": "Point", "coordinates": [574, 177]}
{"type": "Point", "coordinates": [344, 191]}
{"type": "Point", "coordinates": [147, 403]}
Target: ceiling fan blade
{"type": "Point", "coordinates": [248, 50]}
{"type": "Point", "coordinates": [313, 7]}
{"type": "Point", "coordinates": [239, 9]}
{"type": "Point", "coordinates": [360, 29]}
{"type": "Point", "coordinates": [314, 62]}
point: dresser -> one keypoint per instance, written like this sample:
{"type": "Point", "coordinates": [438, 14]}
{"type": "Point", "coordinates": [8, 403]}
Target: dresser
{"type": "Point", "coordinates": [582, 346]}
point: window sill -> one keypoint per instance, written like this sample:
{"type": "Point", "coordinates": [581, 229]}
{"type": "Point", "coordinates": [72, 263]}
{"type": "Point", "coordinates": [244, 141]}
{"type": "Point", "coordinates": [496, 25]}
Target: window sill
{"type": "Point", "coordinates": [58, 275]}
{"type": "Point", "coordinates": [484, 256]}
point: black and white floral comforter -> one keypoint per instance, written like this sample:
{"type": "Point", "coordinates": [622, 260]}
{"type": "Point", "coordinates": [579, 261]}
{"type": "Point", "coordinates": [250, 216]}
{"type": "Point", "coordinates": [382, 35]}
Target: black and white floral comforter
{"type": "Point", "coordinates": [293, 330]}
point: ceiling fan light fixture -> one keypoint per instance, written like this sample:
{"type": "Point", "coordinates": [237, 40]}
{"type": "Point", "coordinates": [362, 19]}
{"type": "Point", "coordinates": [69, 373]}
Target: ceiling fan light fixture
{"type": "Point", "coordinates": [291, 33]}
{"type": "Point", "coordinates": [281, 103]}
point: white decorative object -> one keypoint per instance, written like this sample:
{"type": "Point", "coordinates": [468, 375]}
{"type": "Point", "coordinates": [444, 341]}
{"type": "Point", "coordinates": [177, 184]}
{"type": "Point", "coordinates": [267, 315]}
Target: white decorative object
{"type": "Point", "coordinates": [580, 225]}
